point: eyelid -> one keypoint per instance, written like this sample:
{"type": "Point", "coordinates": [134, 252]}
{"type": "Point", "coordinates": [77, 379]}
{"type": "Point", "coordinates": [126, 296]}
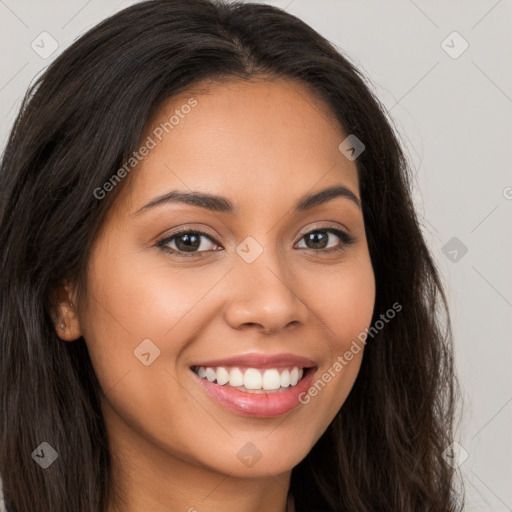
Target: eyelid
{"type": "Point", "coordinates": [345, 237]}
{"type": "Point", "coordinates": [168, 238]}
{"type": "Point", "coordinates": [321, 226]}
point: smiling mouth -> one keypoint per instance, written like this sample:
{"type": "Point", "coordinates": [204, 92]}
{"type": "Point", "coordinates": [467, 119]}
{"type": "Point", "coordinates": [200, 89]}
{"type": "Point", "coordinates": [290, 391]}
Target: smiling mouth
{"type": "Point", "coordinates": [253, 380]}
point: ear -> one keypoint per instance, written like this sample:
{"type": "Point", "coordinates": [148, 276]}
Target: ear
{"type": "Point", "coordinates": [64, 313]}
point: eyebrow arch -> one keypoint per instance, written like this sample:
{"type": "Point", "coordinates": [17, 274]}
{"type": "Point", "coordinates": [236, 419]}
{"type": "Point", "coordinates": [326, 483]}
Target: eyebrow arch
{"type": "Point", "coordinates": [224, 205]}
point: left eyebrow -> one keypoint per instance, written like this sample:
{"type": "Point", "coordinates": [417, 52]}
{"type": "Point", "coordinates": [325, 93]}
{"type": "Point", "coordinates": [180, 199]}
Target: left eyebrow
{"type": "Point", "coordinates": [311, 200]}
{"type": "Point", "coordinates": [224, 205]}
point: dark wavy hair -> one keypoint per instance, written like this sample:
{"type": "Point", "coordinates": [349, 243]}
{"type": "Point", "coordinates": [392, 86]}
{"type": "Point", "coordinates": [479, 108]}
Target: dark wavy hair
{"type": "Point", "coordinates": [77, 125]}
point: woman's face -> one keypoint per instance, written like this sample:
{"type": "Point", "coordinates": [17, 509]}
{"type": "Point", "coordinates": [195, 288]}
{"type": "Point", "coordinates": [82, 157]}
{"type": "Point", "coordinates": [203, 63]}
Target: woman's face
{"type": "Point", "coordinates": [269, 285]}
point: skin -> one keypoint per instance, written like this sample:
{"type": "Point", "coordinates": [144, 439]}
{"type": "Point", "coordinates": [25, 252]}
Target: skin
{"type": "Point", "coordinates": [263, 145]}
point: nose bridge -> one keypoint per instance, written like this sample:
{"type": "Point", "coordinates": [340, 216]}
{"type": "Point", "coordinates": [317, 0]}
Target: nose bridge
{"type": "Point", "coordinates": [261, 288]}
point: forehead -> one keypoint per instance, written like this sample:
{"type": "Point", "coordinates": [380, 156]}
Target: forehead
{"type": "Point", "coordinates": [247, 140]}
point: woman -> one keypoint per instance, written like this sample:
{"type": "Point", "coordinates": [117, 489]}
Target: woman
{"type": "Point", "coordinates": [215, 292]}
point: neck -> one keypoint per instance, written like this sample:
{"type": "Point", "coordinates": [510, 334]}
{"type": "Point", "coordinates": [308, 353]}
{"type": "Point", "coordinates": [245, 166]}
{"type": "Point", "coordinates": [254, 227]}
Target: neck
{"type": "Point", "coordinates": [146, 477]}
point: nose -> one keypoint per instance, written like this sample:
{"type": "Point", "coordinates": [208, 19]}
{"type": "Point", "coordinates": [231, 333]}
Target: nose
{"type": "Point", "coordinates": [264, 297]}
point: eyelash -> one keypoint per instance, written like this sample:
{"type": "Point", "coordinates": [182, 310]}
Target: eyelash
{"type": "Point", "coordinates": [346, 241]}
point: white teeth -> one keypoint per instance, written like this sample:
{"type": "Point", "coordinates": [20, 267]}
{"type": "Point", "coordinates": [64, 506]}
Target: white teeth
{"type": "Point", "coordinates": [271, 380]}
{"type": "Point", "coordinates": [236, 378]}
{"type": "Point", "coordinates": [285, 379]}
{"type": "Point", "coordinates": [268, 379]}
{"type": "Point", "coordinates": [211, 374]}
{"type": "Point", "coordinates": [294, 376]}
{"type": "Point", "coordinates": [222, 376]}
{"type": "Point", "coordinates": [252, 379]}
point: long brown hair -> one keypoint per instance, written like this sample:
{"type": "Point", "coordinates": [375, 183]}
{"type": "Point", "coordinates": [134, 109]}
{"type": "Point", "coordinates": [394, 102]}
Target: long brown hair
{"type": "Point", "coordinates": [77, 125]}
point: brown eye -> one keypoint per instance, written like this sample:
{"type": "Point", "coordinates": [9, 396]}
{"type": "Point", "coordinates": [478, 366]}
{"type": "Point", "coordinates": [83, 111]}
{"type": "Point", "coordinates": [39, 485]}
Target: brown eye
{"type": "Point", "coordinates": [319, 240]}
{"type": "Point", "coordinates": [188, 241]}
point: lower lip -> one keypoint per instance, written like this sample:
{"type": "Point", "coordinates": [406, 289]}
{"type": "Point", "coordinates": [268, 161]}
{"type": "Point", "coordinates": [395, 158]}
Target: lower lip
{"type": "Point", "coordinates": [259, 405]}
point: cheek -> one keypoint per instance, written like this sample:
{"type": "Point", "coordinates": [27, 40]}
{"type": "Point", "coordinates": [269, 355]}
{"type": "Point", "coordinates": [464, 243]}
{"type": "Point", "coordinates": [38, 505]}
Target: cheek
{"type": "Point", "coordinates": [139, 317]}
{"type": "Point", "coordinates": [135, 299]}
{"type": "Point", "coordinates": [344, 304]}
{"type": "Point", "coordinates": [343, 299]}
{"type": "Point", "coordinates": [351, 305]}
{"type": "Point", "coordinates": [138, 299]}
{"type": "Point", "coordinates": [132, 300]}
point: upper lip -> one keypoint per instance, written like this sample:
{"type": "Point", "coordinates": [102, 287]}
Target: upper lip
{"type": "Point", "coordinates": [258, 360]}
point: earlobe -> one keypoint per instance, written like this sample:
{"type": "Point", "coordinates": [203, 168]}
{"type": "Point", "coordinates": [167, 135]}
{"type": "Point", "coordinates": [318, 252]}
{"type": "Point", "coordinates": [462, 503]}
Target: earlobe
{"type": "Point", "coordinates": [68, 324]}
{"type": "Point", "coordinates": [65, 316]}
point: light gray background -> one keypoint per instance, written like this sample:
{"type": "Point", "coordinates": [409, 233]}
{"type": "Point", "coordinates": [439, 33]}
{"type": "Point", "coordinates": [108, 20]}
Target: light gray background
{"type": "Point", "coordinates": [454, 116]}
